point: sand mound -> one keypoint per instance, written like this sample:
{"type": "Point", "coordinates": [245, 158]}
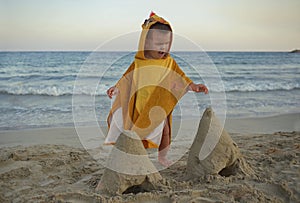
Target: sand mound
{"type": "Point", "coordinates": [128, 167]}
{"type": "Point", "coordinates": [206, 158]}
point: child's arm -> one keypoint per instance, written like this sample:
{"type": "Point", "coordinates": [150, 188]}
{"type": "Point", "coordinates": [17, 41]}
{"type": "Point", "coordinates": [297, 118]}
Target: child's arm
{"type": "Point", "coordinates": [198, 88]}
{"type": "Point", "coordinates": [112, 91]}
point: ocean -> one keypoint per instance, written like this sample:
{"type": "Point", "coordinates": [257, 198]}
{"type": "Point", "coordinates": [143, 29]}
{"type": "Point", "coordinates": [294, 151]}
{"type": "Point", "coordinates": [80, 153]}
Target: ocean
{"type": "Point", "coordinates": [46, 89]}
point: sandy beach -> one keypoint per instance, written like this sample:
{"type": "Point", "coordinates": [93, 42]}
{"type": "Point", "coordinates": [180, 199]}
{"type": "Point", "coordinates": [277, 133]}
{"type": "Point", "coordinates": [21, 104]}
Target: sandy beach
{"type": "Point", "coordinates": [51, 165]}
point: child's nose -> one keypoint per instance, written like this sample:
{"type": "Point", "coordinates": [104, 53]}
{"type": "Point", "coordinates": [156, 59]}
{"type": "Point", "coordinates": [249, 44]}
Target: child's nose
{"type": "Point", "coordinates": [164, 48]}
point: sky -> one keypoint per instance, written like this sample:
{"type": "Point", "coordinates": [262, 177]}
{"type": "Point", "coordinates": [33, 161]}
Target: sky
{"type": "Point", "coordinates": [214, 25]}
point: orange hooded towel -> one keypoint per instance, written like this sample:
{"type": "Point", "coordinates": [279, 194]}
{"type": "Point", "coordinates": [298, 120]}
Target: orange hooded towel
{"type": "Point", "coordinates": [147, 94]}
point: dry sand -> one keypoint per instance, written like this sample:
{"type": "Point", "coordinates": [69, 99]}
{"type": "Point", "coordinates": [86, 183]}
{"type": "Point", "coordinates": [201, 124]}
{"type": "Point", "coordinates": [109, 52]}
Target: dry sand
{"type": "Point", "coordinates": [50, 165]}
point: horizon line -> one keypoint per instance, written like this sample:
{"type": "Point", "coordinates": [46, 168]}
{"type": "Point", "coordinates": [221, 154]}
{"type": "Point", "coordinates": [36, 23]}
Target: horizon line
{"type": "Point", "coordinates": [136, 50]}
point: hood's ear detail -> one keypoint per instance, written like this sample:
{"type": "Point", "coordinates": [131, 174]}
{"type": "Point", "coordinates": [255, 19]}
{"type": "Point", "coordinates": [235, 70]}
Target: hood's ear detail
{"type": "Point", "coordinates": [153, 18]}
{"type": "Point", "coordinates": [152, 14]}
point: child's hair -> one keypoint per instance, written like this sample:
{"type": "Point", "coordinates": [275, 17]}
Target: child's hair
{"type": "Point", "coordinates": [161, 26]}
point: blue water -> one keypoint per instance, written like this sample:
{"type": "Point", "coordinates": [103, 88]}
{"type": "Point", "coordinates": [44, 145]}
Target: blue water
{"type": "Point", "coordinates": [37, 88]}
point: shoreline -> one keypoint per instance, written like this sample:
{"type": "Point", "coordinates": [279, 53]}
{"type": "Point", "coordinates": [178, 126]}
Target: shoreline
{"type": "Point", "coordinates": [68, 135]}
{"type": "Point", "coordinates": [267, 124]}
{"type": "Point", "coordinates": [103, 123]}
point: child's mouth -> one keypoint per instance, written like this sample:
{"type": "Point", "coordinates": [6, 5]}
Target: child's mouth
{"type": "Point", "coordinates": [161, 53]}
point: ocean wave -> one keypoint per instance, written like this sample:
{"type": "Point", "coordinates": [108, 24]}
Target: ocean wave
{"type": "Point", "coordinates": [260, 89]}
{"type": "Point", "coordinates": [55, 91]}
{"type": "Point", "coordinates": [39, 77]}
{"type": "Point", "coordinates": [101, 90]}
{"type": "Point", "coordinates": [59, 78]}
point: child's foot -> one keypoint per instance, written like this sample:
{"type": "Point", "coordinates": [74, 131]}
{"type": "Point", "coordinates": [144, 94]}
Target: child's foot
{"type": "Point", "coordinates": [164, 161]}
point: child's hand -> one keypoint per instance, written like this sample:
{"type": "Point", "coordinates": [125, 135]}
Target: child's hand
{"type": "Point", "coordinates": [198, 88]}
{"type": "Point", "coordinates": [112, 91]}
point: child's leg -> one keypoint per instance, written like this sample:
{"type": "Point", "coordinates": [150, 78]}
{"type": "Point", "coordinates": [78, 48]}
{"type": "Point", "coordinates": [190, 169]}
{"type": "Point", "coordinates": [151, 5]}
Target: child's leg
{"type": "Point", "coordinates": [164, 145]}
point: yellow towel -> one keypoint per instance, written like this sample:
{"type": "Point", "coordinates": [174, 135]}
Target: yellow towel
{"type": "Point", "coordinates": [149, 90]}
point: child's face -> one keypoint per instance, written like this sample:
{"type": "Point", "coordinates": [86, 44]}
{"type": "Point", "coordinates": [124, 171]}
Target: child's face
{"type": "Point", "coordinates": [157, 44]}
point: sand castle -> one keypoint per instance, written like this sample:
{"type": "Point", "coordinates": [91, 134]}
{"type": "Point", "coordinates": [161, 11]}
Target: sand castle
{"type": "Point", "coordinates": [128, 166]}
{"type": "Point", "coordinates": [213, 151]}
